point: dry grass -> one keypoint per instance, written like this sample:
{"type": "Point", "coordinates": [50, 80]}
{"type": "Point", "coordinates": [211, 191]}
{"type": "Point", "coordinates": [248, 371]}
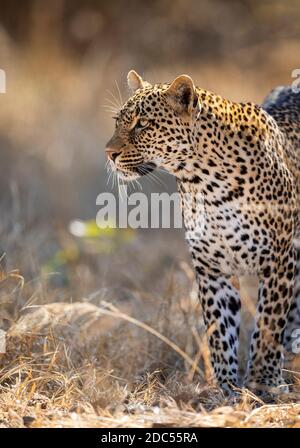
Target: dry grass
{"type": "Point", "coordinates": [86, 365]}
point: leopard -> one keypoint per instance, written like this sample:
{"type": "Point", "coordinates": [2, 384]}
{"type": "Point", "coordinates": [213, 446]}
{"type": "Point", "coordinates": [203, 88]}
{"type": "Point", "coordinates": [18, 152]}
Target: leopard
{"type": "Point", "coordinates": [237, 170]}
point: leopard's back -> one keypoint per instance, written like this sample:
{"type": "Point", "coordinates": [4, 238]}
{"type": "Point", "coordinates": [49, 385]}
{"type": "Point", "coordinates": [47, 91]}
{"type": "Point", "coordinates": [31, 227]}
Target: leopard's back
{"type": "Point", "coordinates": [283, 104]}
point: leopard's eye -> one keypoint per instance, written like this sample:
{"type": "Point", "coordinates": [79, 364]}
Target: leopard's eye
{"type": "Point", "coordinates": [142, 123]}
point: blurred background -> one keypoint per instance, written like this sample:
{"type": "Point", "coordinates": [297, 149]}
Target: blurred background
{"type": "Point", "coordinates": [63, 61]}
{"type": "Point", "coordinates": [66, 63]}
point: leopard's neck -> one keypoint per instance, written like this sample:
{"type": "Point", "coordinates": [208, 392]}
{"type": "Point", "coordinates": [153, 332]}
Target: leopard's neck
{"type": "Point", "coordinates": [229, 142]}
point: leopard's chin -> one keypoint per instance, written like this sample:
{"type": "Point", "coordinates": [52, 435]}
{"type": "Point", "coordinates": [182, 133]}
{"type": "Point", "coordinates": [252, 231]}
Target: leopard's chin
{"type": "Point", "coordinates": [136, 171]}
{"type": "Point", "coordinates": [145, 168]}
{"type": "Point", "coordinates": [126, 175]}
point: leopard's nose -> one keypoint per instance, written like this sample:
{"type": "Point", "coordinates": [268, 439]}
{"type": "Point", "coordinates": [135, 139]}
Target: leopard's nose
{"type": "Point", "coordinates": [112, 154]}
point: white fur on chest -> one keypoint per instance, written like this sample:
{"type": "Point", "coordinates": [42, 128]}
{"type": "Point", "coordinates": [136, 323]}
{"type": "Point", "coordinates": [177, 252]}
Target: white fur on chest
{"type": "Point", "coordinates": [224, 230]}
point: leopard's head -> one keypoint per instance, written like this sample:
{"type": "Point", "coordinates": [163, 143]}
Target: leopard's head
{"type": "Point", "coordinates": [154, 128]}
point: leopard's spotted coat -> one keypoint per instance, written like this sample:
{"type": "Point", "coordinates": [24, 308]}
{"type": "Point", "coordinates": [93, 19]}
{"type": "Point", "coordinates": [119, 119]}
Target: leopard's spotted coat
{"type": "Point", "coordinates": [244, 162]}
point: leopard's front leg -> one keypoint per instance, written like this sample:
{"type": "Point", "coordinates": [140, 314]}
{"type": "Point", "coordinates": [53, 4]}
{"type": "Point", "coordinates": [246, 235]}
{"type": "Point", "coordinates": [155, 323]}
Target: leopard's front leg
{"type": "Point", "coordinates": [266, 351]}
{"type": "Point", "coordinates": [221, 309]}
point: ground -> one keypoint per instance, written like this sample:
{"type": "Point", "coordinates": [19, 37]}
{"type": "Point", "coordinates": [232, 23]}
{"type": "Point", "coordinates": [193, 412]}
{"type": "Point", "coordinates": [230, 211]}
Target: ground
{"type": "Point", "coordinates": [120, 357]}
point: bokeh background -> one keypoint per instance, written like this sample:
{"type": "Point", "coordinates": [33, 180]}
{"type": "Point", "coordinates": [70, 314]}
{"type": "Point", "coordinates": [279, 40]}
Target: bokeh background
{"type": "Point", "coordinates": [65, 62]}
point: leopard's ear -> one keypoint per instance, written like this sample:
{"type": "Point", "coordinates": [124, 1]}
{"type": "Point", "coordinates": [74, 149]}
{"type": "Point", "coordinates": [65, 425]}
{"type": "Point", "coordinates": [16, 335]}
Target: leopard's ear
{"type": "Point", "coordinates": [135, 81]}
{"type": "Point", "coordinates": [182, 96]}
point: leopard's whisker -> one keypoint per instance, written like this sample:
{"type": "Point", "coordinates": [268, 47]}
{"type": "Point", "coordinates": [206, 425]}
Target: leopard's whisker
{"type": "Point", "coordinates": [116, 101]}
{"type": "Point", "coordinates": [156, 179]}
{"type": "Point", "coordinates": [119, 93]}
{"type": "Point", "coordinates": [110, 109]}
{"type": "Point", "coordinates": [111, 106]}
